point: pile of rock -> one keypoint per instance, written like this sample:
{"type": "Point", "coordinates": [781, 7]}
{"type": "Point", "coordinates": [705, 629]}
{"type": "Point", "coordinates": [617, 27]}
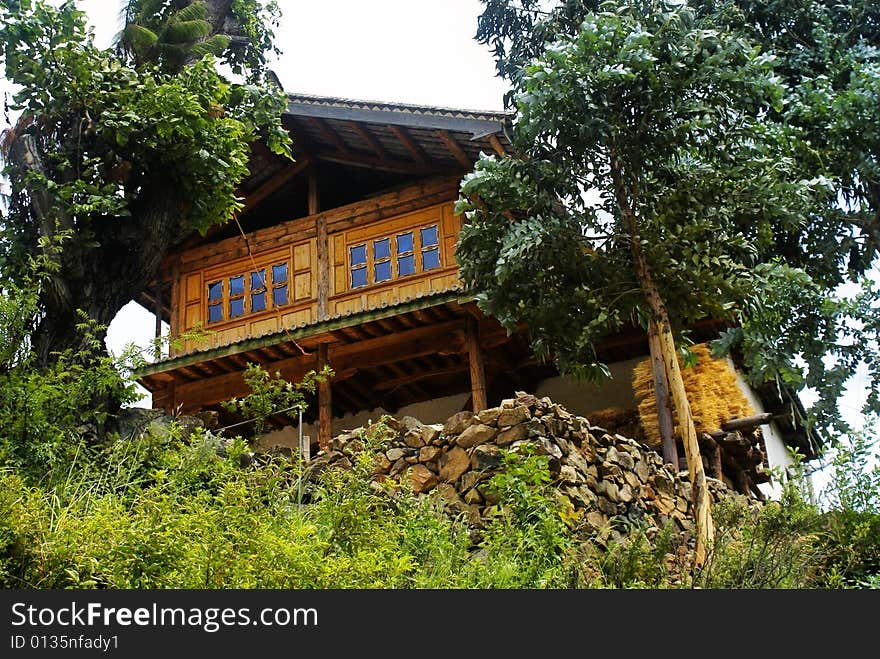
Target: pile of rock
{"type": "Point", "coordinates": [605, 476]}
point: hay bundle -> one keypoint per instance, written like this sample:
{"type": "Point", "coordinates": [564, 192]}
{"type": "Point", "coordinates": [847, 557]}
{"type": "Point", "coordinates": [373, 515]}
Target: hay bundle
{"type": "Point", "coordinates": [713, 393]}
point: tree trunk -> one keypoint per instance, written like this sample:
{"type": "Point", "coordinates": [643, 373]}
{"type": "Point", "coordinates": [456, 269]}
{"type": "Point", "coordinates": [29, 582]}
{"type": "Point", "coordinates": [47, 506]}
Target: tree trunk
{"type": "Point", "coordinates": [705, 529]}
{"type": "Point", "coordinates": [98, 279]}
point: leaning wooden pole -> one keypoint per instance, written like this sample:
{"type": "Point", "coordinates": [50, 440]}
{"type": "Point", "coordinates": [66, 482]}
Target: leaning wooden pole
{"type": "Point", "coordinates": [696, 473]}
{"type": "Point", "coordinates": [661, 396]}
{"type": "Point", "coordinates": [705, 530]}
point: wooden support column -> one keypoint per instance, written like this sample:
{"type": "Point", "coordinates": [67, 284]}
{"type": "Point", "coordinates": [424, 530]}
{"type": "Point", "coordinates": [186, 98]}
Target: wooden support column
{"type": "Point", "coordinates": [323, 248]}
{"type": "Point", "coordinates": [157, 298]}
{"type": "Point", "coordinates": [478, 372]}
{"type": "Point", "coordinates": [661, 396]}
{"type": "Point", "coordinates": [176, 318]}
{"type": "Point", "coordinates": [325, 410]}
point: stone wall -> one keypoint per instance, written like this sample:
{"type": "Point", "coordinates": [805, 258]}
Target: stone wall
{"type": "Point", "coordinates": [605, 476]}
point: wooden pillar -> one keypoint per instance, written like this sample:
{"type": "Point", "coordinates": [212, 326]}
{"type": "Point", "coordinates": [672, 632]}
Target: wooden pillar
{"type": "Point", "coordinates": [157, 298]}
{"type": "Point", "coordinates": [176, 318]}
{"type": "Point", "coordinates": [661, 395]}
{"type": "Point", "coordinates": [323, 248]}
{"type": "Point", "coordinates": [325, 410]}
{"type": "Point", "coordinates": [475, 360]}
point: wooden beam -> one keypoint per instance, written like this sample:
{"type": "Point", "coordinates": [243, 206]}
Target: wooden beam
{"type": "Point", "coordinates": [329, 134]}
{"type": "Point", "coordinates": [477, 370]}
{"type": "Point", "coordinates": [369, 138]}
{"type": "Point", "coordinates": [406, 139]}
{"type": "Point", "coordinates": [325, 402]}
{"type": "Point", "coordinates": [157, 349]}
{"type": "Point", "coordinates": [390, 165]}
{"type": "Point", "coordinates": [274, 183]}
{"type": "Point", "coordinates": [406, 380]}
{"type": "Point", "coordinates": [455, 148]}
{"type": "Point", "coordinates": [499, 149]}
{"type": "Point", "coordinates": [362, 355]}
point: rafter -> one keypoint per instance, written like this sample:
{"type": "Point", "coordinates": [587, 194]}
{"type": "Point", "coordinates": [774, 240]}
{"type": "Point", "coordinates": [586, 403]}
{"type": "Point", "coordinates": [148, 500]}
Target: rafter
{"type": "Point", "coordinates": [329, 134]}
{"type": "Point", "coordinates": [369, 138]}
{"type": "Point", "coordinates": [274, 183]}
{"type": "Point", "coordinates": [406, 139]}
{"type": "Point", "coordinates": [454, 148]}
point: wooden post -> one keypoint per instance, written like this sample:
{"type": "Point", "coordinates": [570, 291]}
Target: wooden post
{"type": "Point", "coordinates": [157, 299]}
{"type": "Point", "coordinates": [325, 410]}
{"type": "Point", "coordinates": [475, 360]}
{"type": "Point", "coordinates": [176, 318]}
{"type": "Point", "coordinates": [323, 248]}
{"type": "Point", "coordinates": [661, 395]}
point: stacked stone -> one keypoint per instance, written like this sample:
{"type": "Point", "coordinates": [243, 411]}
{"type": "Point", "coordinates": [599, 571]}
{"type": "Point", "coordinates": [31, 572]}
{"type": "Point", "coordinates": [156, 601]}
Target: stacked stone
{"type": "Point", "coordinates": [605, 476]}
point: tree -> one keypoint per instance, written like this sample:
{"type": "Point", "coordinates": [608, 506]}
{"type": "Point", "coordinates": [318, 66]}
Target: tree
{"type": "Point", "coordinates": [827, 55]}
{"type": "Point", "coordinates": [647, 187]}
{"type": "Point", "coordinates": [120, 155]}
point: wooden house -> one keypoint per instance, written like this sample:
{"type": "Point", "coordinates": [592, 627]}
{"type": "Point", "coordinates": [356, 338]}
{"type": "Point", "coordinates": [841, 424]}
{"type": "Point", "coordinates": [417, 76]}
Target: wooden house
{"type": "Point", "coordinates": [346, 257]}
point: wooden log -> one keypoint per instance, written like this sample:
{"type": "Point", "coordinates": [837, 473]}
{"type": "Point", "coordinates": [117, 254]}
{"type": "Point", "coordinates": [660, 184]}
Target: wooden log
{"type": "Point", "coordinates": [697, 477]}
{"type": "Point", "coordinates": [713, 454]}
{"type": "Point", "coordinates": [747, 422]}
{"type": "Point", "coordinates": [661, 395]}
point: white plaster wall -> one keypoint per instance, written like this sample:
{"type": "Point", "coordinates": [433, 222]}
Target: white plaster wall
{"type": "Point", "coordinates": [581, 398]}
{"type": "Point", "coordinates": [777, 453]}
{"type": "Point", "coordinates": [431, 411]}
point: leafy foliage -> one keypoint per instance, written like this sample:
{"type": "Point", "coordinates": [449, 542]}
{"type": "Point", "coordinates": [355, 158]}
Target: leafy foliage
{"type": "Point", "coordinates": [644, 112]}
{"type": "Point", "coordinates": [272, 394]}
{"type": "Point", "coordinates": [124, 156]}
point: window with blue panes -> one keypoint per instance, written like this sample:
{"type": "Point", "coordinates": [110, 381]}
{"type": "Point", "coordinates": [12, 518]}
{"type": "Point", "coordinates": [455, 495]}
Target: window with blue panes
{"type": "Point", "coordinates": [389, 257]}
{"type": "Point", "coordinates": [430, 241]}
{"type": "Point", "coordinates": [239, 295]}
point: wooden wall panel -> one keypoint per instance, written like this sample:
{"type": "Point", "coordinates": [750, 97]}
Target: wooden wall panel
{"type": "Point", "coordinates": [202, 267]}
{"type": "Point", "coordinates": [301, 317]}
{"type": "Point", "coordinates": [194, 287]}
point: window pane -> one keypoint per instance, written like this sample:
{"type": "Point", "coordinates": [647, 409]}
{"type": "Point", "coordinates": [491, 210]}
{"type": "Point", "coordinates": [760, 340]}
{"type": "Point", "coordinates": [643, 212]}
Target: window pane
{"type": "Point", "coordinates": [406, 265]}
{"type": "Point", "coordinates": [382, 249]}
{"type": "Point", "coordinates": [236, 285]}
{"type": "Point", "coordinates": [429, 236]}
{"type": "Point", "coordinates": [215, 291]}
{"type": "Point", "coordinates": [279, 273]}
{"type": "Point", "coordinates": [431, 259]}
{"type": "Point", "coordinates": [405, 243]}
{"type": "Point", "coordinates": [215, 313]}
{"type": "Point", "coordinates": [358, 255]}
{"type": "Point", "coordinates": [383, 271]}
{"type": "Point", "coordinates": [358, 277]}
{"type": "Point", "coordinates": [258, 280]}
{"type": "Point", "coordinates": [279, 296]}
{"type": "Point", "coordinates": [236, 307]}
{"type": "Point", "coordinates": [258, 301]}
